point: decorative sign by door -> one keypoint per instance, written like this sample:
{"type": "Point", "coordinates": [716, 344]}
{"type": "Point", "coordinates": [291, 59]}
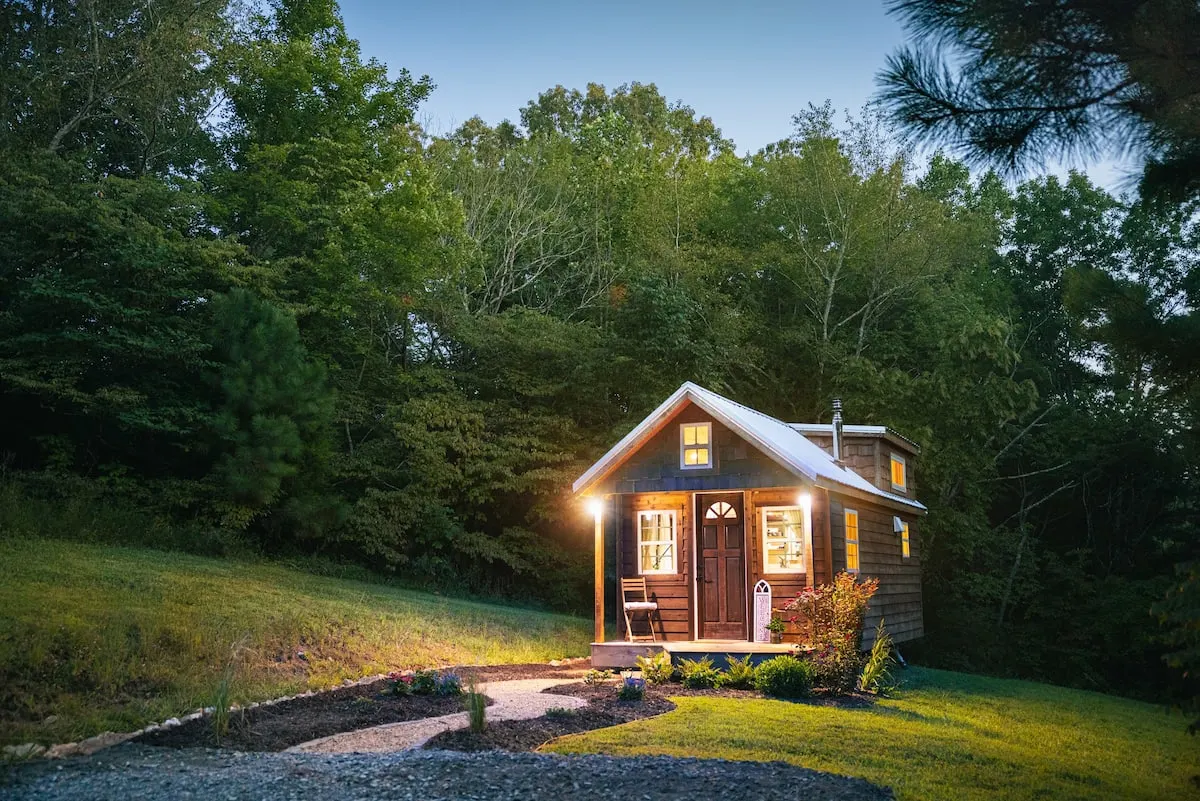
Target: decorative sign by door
{"type": "Point", "coordinates": [762, 611]}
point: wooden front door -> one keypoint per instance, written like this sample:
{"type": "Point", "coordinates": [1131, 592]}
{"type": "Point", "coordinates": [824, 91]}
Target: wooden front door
{"type": "Point", "coordinates": [721, 568]}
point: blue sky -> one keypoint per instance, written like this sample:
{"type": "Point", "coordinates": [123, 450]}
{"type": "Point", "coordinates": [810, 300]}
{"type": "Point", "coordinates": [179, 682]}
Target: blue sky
{"type": "Point", "coordinates": [749, 65]}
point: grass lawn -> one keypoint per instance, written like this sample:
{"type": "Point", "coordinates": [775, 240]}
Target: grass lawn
{"type": "Point", "coordinates": [99, 638]}
{"type": "Point", "coordinates": [945, 735]}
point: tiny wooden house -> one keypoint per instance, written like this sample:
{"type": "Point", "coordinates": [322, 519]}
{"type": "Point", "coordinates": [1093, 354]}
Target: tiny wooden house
{"type": "Point", "coordinates": [706, 499]}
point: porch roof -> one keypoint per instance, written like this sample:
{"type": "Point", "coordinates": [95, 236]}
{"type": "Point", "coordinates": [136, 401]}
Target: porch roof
{"type": "Point", "coordinates": [778, 440]}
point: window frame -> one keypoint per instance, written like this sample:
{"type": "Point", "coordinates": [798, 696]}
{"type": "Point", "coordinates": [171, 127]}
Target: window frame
{"type": "Point", "coordinates": [805, 529]}
{"type": "Point", "coordinates": [674, 516]}
{"type": "Point", "coordinates": [898, 459]}
{"type": "Point", "coordinates": [707, 425]}
{"type": "Point", "coordinates": [857, 540]}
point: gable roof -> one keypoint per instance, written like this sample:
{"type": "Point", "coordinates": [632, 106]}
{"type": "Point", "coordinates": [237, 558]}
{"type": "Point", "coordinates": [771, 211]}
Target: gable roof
{"type": "Point", "coordinates": [778, 440]}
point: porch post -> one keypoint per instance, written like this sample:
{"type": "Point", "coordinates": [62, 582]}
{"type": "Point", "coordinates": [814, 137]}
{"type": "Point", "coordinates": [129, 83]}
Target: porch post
{"type": "Point", "coordinates": [598, 512]}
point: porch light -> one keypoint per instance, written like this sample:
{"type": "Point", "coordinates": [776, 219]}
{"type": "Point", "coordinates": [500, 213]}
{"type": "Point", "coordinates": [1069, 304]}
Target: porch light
{"type": "Point", "coordinates": [596, 507]}
{"type": "Point", "coordinates": [805, 500]}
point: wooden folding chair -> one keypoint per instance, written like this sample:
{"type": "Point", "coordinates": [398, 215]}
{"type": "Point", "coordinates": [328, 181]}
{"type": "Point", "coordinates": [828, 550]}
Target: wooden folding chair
{"type": "Point", "coordinates": [635, 599]}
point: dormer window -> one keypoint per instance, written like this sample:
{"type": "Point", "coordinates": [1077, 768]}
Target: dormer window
{"type": "Point", "coordinates": [899, 473]}
{"type": "Point", "coordinates": [695, 446]}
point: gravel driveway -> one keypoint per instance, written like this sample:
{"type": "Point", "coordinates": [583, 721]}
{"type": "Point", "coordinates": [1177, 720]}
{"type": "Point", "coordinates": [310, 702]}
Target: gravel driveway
{"type": "Point", "coordinates": [137, 773]}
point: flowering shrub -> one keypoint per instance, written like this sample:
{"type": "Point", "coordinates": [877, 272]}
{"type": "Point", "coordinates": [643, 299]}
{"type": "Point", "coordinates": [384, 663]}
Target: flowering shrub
{"type": "Point", "coordinates": [400, 683]}
{"type": "Point", "coordinates": [835, 613]}
{"type": "Point", "coordinates": [448, 684]}
{"type": "Point", "coordinates": [632, 689]}
{"type": "Point", "coordinates": [425, 682]}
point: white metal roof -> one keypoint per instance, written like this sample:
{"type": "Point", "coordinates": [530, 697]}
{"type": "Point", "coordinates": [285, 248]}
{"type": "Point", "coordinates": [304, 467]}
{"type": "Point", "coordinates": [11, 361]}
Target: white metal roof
{"type": "Point", "coordinates": [776, 439]}
{"type": "Point", "coordinates": [826, 429]}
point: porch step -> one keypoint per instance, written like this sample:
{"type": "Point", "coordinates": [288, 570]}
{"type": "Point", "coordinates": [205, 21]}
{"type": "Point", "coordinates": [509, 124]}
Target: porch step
{"type": "Point", "coordinates": [621, 654]}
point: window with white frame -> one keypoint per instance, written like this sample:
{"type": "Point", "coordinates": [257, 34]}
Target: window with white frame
{"type": "Point", "coordinates": [899, 473]}
{"type": "Point", "coordinates": [656, 542]}
{"type": "Point", "coordinates": [851, 519]}
{"type": "Point", "coordinates": [695, 445]}
{"type": "Point", "coordinates": [784, 533]}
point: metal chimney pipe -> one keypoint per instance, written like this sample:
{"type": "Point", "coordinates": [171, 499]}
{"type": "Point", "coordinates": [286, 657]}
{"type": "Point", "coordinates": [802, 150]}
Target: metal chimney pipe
{"type": "Point", "coordinates": [837, 430]}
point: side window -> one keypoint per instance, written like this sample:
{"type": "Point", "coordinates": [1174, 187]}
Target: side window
{"type": "Point", "coordinates": [695, 446]}
{"type": "Point", "coordinates": [783, 530]}
{"type": "Point", "coordinates": [656, 542]}
{"type": "Point", "coordinates": [851, 518]}
{"type": "Point", "coordinates": [905, 543]}
{"type": "Point", "coordinates": [899, 473]}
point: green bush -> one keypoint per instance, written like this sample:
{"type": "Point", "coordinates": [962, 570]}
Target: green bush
{"type": "Point", "coordinates": [739, 674]}
{"type": "Point", "coordinates": [594, 678]}
{"type": "Point", "coordinates": [784, 677]}
{"type": "Point", "coordinates": [425, 682]}
{"type": "Point", "coordinates": [699, 674]}
{"type": "Point", "coordinates": [656, 669]}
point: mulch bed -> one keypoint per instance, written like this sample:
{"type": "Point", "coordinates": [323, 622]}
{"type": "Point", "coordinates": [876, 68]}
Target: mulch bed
{"type": "Point", "coordinates": [603, 710]}
{"type": "Point", "coordinates": [274, 727]}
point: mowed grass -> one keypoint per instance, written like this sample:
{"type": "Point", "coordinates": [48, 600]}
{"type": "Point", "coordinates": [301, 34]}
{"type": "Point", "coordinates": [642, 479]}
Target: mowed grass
{"type": "Point", "coordinates": [944, 736]}
{"type": "Point", "coordinates": [96, 638]}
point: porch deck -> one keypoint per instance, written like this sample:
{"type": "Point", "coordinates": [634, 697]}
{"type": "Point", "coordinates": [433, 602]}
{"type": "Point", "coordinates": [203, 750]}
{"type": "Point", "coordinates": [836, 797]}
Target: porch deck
{"type": "Point", "coordinates": [622, 654]}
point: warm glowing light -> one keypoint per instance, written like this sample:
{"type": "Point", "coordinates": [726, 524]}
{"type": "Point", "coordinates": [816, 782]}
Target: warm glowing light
{"type": "Point", "coordinates": [805, 499]}
{"type": "Point", "coordinates": [595, 506]}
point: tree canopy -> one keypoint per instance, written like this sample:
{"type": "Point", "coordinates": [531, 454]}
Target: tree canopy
{"type": "Point", "coordinates": [250, 295]}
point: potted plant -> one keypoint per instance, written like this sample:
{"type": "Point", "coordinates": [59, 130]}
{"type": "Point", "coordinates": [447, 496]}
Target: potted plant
{"type": "Point", "coordinates": [775, 627]}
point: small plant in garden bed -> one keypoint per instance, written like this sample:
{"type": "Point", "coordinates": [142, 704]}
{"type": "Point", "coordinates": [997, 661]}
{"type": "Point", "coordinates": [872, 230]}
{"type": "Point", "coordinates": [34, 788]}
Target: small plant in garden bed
{"type": "Point", "coordinates": [560, 712]}
{"type": "Point", "coordinates": [699, 674]}
{"type": "Point", "coordinates": [784, 677]}
{"type": "Point", "coordinates": [424, 682]}
{"type": "Point", "coordinates": [876, 674]}
{"type": "Point", "coordinates": [594, 678]}
{"type": "Point", "coordinates": [739, 674]}
{"type": "Point", "coordinates": [656, 669]}
{"type": "Point", "coordinates": [476, 707]}
{"type": "Point", "coordinates": [632, 689]}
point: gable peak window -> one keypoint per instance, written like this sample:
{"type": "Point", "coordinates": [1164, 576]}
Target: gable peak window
{"type": "Point", "coordinates": [695, 446]}
{"type": "Point", "coordinates": [899, 473]}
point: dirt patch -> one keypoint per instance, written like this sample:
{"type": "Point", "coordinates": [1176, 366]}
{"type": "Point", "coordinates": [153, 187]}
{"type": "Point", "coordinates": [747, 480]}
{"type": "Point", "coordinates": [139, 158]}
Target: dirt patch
{"type": "Point", "coordinates": [604, 709]}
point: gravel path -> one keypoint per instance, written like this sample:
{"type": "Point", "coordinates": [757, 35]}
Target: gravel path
{"type": "Point", "coordinates": [519, 699]}
{"type": "Point", "coordinates": [141, 773]}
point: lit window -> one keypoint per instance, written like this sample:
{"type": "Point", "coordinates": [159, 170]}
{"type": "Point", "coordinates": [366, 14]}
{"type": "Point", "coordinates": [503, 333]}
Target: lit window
{"type": "Point", "coordinates": [695, 445]}
{"type": "Point", "coordinates": [656, 542]}
{"type": "Point", "coordinates": [899, 473]}
{"type": "Point", "coordinates": [905, 546]}
{"type": "Point", "coordinates": [851, 541]}
{"type": "Point", "coordinates": [783, 539]}
{"type": "Point", "coordinates": [721, 509]}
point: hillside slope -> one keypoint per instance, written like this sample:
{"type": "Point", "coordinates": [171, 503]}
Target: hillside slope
{"type": "Point", "coordinates": [96, 638]}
